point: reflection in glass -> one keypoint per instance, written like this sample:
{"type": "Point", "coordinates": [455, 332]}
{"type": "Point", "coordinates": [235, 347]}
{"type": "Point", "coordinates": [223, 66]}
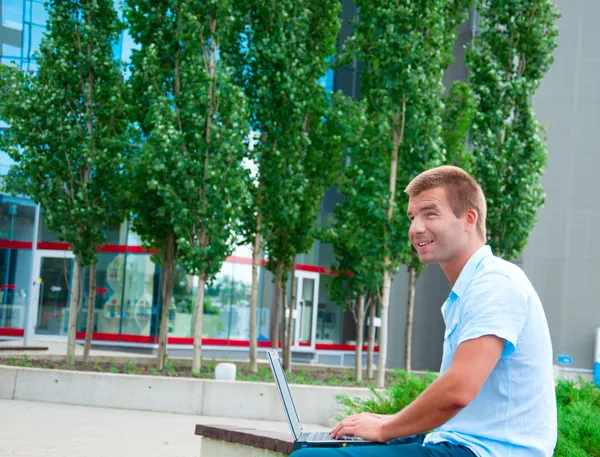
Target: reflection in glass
{"type": "Point", "coordinates": [109, 292]}
{"type": "Point", "coordinates": [16, 218]}
{"type": "Point", "coordinates": [55, 277]}
{"type": "Point", "coordinates": [13, 290]}
{"type": "Point", "coordinates": [12, 14]}
{"type": "Point", "coordinates": [183, 301]}
{"type": "Point", "coordinates": [306, 309]}
{"type": "Point", "coordinates": [138, 304]}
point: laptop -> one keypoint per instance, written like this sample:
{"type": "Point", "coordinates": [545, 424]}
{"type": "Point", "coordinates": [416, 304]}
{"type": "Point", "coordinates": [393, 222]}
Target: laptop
{"type": "Point", "coordinates": [304, 439]}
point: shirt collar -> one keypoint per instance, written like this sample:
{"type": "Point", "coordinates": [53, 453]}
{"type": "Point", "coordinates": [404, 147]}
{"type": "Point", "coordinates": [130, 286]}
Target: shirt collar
{"type": "Point", "coordinates": [469, 269]}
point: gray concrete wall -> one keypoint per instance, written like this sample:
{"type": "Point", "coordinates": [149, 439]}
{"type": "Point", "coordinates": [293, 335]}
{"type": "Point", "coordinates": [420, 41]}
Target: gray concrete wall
{"type": "Point", "coordinates": [248, 400]}
{"type": "Point", "coordinates": [561, 258]}
{"type": "Point", "coordinates": [428, 324]}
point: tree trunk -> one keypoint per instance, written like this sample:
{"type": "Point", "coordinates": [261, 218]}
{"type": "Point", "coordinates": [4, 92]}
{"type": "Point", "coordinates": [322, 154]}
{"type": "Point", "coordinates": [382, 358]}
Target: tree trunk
{"type": "Point", "coordinates": [275, 309]}
{"type": "Point", "coordinates": [398, 135]}
{"type": "Point", "coordinates": [371, 338]}
{"type": "Point", "coordinates": [198, 315]}
{"type": "Point", "coordinates": [90, 317]}
{"type": "Point", "coordinates": [254, 297]}
{"type": "Point", "coordinates": [168, 266]}
{"type": "Point", "coordinates": [284, 321]}
{"type": "Point", "coordinates": [74, 298]}
{"type": "Point", "coordinates": [287, 356]}
{"type": "Point", "coordinates": [410, 307]}
{"type": "Point", "coordinates": [383, 329]}
{"type": "Point", "coordinates": [360, 320]}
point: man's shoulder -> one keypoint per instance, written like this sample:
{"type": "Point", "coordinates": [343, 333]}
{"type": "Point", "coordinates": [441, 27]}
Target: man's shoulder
{"type": "Point", "coordinates": [496, 272]}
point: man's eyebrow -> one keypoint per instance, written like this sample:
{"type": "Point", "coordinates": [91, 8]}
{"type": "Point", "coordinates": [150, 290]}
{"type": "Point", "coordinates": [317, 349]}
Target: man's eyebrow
{"type": "Point", "coordinates": [429, 207]}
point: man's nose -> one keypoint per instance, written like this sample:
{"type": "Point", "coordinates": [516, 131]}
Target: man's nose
{"type": "Point", "coordinates": [416, 227]}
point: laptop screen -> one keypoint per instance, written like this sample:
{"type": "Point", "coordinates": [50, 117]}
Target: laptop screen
{"type": "Point", "coordinates": [284, 391]}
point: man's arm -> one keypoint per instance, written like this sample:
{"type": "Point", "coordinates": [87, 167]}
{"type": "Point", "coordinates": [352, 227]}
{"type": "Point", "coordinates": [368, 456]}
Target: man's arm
{"type": "Point", "coordinates": [471, 365]}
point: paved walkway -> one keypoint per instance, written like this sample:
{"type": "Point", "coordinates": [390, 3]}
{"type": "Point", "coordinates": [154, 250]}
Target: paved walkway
{"type": "Point", "coordinates": [55, 430]}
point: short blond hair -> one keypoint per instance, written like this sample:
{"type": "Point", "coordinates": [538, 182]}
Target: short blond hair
{"type": "Point", "coordinates": [463, 191]}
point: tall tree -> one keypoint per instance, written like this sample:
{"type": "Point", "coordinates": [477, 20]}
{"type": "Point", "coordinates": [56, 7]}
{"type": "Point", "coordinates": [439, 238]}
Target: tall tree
{"type": "Point", "coordinates": [456, 113]}
{"type": "Point", "coordinates": [68, 132]}
{"type": "Point", "coordinates": [196, 130]}
{"type": "Point", "coordinates": [282, 48]}
{"type": "Point", "coordinates": [405, 47]}
{"type": "Point", "coordinates": [152, 70]}
{"type": "Point", "coordinates": [507, 63]}
{"type": "Point", "coordinates": [357, 262]}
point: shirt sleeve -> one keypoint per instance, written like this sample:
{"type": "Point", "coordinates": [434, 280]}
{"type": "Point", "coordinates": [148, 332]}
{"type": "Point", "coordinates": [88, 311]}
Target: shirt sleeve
{"type": "Point", "coordinates": [494, 305]}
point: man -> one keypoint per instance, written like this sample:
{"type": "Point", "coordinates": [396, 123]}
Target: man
{"type": "Point", "coordinates": [495, 393]}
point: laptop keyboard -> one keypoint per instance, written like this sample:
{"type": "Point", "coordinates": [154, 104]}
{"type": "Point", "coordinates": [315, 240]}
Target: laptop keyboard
{"type": "Point", "coordinates": [324, 436]}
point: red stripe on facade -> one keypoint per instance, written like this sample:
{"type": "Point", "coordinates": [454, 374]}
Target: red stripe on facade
{"type": "Point", "coordinates": [112, 248]}
{"type": "Point", "coordinates": [12, 244]}
{"type": "Point", "coordinates": [12, 332]}
{"type": "Point", "coordinates": [124, 249]}
{"type": "Point", "coordinates": [8, 286]}
{"type": "Point", "coordinates": [186, 341]}
{"type": "Point", "coordinates": [119, 338]}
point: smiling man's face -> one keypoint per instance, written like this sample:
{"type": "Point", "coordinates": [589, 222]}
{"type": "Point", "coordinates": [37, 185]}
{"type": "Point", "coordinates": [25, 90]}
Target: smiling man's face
{"type": "Point", "coordinates": [435, 231]}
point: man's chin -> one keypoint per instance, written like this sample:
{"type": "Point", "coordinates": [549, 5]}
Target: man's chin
{"type": "Point", "coordinates": [427, 259]}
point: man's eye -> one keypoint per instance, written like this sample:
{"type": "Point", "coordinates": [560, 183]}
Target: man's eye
{"type": "Point", "coordinates": [430, 214]}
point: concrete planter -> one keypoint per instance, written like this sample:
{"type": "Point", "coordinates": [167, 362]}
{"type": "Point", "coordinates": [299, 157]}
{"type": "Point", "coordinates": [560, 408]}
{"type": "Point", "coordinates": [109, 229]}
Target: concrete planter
{"type": "Point", "coordinates": [247, 400]}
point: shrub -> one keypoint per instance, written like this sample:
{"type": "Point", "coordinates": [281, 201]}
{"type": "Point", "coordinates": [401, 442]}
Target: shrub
{"type": "Point", "coordinates": [578, 406]}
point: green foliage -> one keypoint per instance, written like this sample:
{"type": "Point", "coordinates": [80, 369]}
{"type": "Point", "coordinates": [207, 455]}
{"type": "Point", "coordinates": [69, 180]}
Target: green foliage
{"type": "Point", "coordinates": [578, 419]}
{"type": "Point", "coordinates": [228, 289]}
{"type": "Point", "coordinates": [357, 253]}
{"type": "Point", "coordinates": [282, 49]}
{"type": "Point", "coordinates": [506, 65]}
{"type": "Point", "coordinates": [578, 410]}
{"type": "Point", "coordinates": [68, 125]}
{"type": "Point", "coordinates": [457, 119]}
{"type": "Point", "coordinates": [403, 391]}
{"type": "Point", "coordinates": [405, 48]}
{"type": "Point", "coordinates": [193, 119]}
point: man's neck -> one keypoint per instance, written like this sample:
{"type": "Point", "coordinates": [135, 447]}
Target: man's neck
{"type": "Point", "coordinates": [453, 268]}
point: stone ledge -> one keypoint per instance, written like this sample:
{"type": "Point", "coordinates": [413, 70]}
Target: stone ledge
{"type": "Point", "coordinates": [246, 439]}
{"type": "Point", "coordinates": [233, 399]}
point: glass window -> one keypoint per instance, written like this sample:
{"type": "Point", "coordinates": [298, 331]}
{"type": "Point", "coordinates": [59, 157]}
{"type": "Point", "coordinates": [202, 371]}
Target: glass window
{"type": "Point", "coordinates": [109, 294]}
{"type": "Point", "coordinates": [218, 304]}
{"type": "Point", "coordinates": [16, 218]}
{"type": "Point", "coordinates": [117, 235]}
{"type": "Point", "coordinates": [14, 286]}
{"type": "Point", "coordinates": [39, 15]}
{"type": "Point", "coordinates": [11, 51]}
{"type": "Point", "coordinates": [8, 61]}
{"type": "Point", "coordinates": [12, 14]}
{"type": "Point", "coordinates": [26, 40]}
{"type": "Point", "coordinates": [183, 301]}
{"type": "Point", "coordinates": [238, 292]}
{"type": "Point", "coordinates": [56, 274]}
{"type": "Point", "coordinates": [114, 235]}
{"type": "Point", "coordinates": [37, 34]}
{"type": "Point", "coordinates": [330, 317]}
{"type": "Point", "coordinates": [140, 298]}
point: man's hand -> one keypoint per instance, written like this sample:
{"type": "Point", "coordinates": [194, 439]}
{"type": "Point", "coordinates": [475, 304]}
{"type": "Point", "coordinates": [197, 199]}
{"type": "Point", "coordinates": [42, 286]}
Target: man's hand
{"type": "Point", "coordinates": [363, 425]}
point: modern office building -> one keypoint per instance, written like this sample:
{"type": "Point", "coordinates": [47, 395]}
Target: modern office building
{"type": "Point", "coordinates": [560, 258]}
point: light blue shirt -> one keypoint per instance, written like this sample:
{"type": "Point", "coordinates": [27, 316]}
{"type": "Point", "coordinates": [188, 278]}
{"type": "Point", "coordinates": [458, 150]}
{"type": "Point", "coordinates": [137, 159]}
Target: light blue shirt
{"type": "Point", "coordinates": [514, 414]}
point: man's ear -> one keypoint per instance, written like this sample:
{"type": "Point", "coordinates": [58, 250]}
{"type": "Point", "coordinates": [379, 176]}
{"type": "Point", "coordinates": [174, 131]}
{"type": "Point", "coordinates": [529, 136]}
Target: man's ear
{"type": "Point", "coordinates": [471, 219]}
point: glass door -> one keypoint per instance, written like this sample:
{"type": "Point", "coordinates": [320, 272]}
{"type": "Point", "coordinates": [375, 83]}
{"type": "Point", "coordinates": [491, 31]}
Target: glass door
{"type": "Point", "coordinates": [51, 292]}
{"type": "Point", "coordinates": [305, 316]}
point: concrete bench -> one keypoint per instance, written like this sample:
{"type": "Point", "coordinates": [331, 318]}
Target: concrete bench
{"type": "Point", "coordinates": [225, 441]}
